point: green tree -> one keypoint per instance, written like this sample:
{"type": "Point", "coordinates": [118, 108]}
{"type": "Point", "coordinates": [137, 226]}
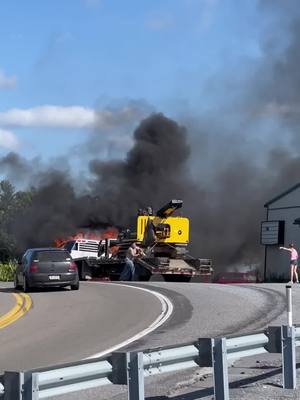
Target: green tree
{"type": "Point", "coordinates": [12, 204]}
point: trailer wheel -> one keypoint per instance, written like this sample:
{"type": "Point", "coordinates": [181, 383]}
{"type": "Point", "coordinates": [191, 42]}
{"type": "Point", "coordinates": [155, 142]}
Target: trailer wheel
{"type": "Point", "coordinates": [75, 286]}
{"type": "Point", "coordinates": [176, 278]}
{"type": "Point", "coordinates": [16, 283]}
{"type": "Point", "coordinates": [145, 277]}
{"type": "Point", "coordinates": [79, 267]}
{"type": "Point", "coordinates": [142, 274]}
{"type": "Point", "coordinates": [84, 270]}
{"type": "Point", "coordinates": [26, 288]}
{"type": "Point", "coordinates": [186, 279]}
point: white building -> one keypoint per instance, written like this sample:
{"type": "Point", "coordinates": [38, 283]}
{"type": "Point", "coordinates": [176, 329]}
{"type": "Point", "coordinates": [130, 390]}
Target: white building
{"type": "Point", "coordinates": [281, 227]}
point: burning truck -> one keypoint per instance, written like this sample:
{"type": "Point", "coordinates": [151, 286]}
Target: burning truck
{"type": "Point", "coordinates": [164, 239]}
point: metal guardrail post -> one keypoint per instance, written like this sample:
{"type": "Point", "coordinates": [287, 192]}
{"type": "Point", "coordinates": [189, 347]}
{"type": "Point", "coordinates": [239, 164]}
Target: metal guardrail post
{"type": "Point", "coordinates": [220, 366]}
{"type": "Point", "coordinates": [128, 369]}
{"type": "Point", "coordinates": [21, 386]}
{"type": "Point", "coordinates": [30, 386]}
{"type": "Point", "coordinates": [289, 305]}
{"type": "Point", "coordinates": [274, 335]}
{"type": "Point", "coordinates": [13, 382]}
{"type": "Point", "coordinates": [135, 376]}
{"type": "Point", "coordinates": [118, 361]}
{"type": "Point", "coordinates": [288, 357]}
{"type": "Point", "coordinates": [204, 346]}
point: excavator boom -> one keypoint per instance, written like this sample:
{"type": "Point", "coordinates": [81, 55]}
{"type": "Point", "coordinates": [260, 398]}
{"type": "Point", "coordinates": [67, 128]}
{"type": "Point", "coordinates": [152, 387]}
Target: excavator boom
{"type": "Point", "coordinates": [168, 209]}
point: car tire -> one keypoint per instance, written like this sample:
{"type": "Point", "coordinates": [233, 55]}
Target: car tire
{"type": "Point", "coordinates": [16, 284]}
{"type": "Point", "coordinates": [75, 287]}
{"type": "Point", "coordinates": [25, 285]}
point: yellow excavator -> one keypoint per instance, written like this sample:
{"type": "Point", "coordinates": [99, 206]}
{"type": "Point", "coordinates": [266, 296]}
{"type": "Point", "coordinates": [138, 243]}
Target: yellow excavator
{"type": "Point", "coordinates": [164, 239]}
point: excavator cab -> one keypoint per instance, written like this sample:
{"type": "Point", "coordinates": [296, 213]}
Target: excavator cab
{"type": "Point", "coordinates": [163, 227]}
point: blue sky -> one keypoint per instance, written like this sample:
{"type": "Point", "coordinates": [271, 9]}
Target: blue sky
{"type": "Point", "coordinates": [61, 61]}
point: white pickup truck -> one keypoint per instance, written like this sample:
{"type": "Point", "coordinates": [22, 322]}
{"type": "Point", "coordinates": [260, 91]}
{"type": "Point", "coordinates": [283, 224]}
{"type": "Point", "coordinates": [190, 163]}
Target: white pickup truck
{"type": "Point", "coordinates": [83, 248]}
{"type": "Point", "coordinates": [87, 253]}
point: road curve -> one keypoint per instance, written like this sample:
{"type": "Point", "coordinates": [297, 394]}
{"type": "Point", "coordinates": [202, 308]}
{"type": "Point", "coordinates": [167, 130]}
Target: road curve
{"type": "Point", "coordinates": [22, 306]}
{"type": "Point", "coordinates": [65, 325]}
{"type": "Point", "coordinates": [210, 310]}
{"type": "Point", "coordinates": [202, 310]}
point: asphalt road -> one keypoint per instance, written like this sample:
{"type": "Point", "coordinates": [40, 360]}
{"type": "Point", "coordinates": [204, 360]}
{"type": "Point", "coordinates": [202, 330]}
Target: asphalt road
{"type": "Point", "coordinates": [64, 326]}
{"type": "Point", "coordinates": [6, 304]}
{"type": "Point", "coordinates": [208, 310]}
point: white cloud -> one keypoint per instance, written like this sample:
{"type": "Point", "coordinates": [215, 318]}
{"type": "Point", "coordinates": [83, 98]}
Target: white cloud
{"type": "Point", "coordinates": [8, 140]}
{"type": "Point", "coordinates": [69, 117]}
{"type": "Point", "coordinates": [7, 82]}
{"type": "Point", "coordinates": [49, 116]}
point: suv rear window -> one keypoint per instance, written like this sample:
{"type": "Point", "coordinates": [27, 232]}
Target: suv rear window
{"type": "Point", "coordinates": [52, 256]}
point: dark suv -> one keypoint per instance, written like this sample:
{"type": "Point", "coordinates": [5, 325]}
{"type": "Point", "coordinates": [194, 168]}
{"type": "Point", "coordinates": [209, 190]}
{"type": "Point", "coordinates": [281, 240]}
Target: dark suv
{"type": "Point", "coordinates": [46, 267]}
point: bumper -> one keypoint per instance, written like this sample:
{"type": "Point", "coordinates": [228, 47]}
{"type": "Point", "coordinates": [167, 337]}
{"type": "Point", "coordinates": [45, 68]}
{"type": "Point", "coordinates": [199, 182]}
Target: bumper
{"type": "Point", "coordinates": [43, 280]}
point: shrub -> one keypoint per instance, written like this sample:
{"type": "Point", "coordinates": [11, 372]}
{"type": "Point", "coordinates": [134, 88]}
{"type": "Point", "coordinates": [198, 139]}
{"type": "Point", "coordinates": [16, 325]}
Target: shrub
{"type": "Point", "coordinates": [7, 271]}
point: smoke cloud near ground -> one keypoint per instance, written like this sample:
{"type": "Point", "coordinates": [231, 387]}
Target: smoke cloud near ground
{"type": "Point", "coordinates": [225, 215]}
{"type": "Point", "coordinates": [224, 164]}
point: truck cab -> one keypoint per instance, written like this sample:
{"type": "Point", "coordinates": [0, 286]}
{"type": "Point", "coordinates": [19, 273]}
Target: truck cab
{"type": "Point", "coordinates": [82, 248]}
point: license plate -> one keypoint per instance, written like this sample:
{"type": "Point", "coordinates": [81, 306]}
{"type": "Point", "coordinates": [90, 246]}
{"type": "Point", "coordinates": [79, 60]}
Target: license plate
{"type": "Point", "coordinates": [54, 277]}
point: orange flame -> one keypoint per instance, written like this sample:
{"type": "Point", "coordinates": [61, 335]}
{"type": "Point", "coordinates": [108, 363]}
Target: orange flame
{"type": "Point", "coordinates": [110, 233]}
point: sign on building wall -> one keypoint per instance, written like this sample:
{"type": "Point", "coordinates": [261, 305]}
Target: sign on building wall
{"type": "Point", "coordinates": [272, 232]}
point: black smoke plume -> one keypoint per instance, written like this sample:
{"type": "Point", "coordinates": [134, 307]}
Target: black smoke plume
{"type": "Point", "coordinates": [224, 215]}
{"type": "Point", "coordinates": [225, 164]}
{"type": "Point", "coordinates": [154, 171]}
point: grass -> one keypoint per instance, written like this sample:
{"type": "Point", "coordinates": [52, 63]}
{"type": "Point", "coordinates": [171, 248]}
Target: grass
{"type": "Point", "coordinates": [7, 271]}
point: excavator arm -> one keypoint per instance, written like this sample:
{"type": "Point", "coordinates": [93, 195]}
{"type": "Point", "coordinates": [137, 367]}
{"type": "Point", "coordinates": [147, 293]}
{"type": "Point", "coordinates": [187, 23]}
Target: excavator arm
{"type": "Point", "coordinates": [167, 210]}
{"type": "Point", "coordinates": [163, 227]}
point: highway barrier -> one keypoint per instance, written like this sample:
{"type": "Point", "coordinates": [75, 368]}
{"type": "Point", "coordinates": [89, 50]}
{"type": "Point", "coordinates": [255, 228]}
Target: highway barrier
{"type": "Point", "coordinates": [131, 368]}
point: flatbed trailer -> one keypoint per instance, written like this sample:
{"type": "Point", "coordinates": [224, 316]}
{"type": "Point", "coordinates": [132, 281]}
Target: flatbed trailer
{"type": "Point", "coordinates": [107, 269]}
{"type": "Point", "coordinates": [147, 268]}
{"type": "Point", "coordinates": [175, 271]}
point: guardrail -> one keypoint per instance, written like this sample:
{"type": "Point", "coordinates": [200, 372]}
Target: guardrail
{"type": "Point", "coordinates": [131, 368]}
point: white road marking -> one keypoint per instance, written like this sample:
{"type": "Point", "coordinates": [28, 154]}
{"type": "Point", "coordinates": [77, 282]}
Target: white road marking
{"type": "Point", "coordinates": [166, 312]}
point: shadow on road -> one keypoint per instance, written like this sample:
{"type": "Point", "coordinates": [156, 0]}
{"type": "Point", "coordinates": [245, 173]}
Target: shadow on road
{"type": "Point", "coordinates": [8, 290]}
{"type": "Point", "coordinates": [35, 290]}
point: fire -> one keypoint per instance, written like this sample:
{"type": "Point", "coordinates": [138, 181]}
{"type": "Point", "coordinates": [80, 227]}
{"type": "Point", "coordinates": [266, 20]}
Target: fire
{"type": "Point", "coordinates": [110, 233]}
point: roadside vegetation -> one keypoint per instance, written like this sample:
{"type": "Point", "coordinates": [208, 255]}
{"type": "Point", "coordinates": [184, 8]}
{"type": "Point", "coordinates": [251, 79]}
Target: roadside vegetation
{"type": "Point", "coordinates": [7, 271]}
{"type": "Point", "coordinates": [13, 205]}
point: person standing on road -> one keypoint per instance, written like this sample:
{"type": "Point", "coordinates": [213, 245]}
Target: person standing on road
{"type": "Point", "coordinates": [293, 262]}
{"type": "Point", "coordinates": [133, 252]}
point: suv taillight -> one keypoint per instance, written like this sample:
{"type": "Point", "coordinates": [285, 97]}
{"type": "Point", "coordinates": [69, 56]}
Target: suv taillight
{"type": "Point", "coordinates": [33, 267]}
{"type": "Point", "coordinates": [72, 267]}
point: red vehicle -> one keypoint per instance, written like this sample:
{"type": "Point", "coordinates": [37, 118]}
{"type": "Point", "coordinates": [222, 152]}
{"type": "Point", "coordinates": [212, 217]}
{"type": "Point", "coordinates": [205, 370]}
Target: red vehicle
{"type": "Point", "coordinates": [237, 277]}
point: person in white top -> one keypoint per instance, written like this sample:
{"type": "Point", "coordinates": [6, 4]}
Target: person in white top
{"type": "Point", "coordinates": [293, 261]}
